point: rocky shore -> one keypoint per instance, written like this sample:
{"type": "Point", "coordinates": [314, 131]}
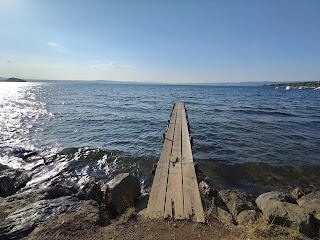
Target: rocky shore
{"type": "Point", "coordinates": [114, 210]}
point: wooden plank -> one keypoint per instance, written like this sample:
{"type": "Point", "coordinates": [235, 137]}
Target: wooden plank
{"type": "Point", "coordinates": [156, 203]}
{"type": "Point", "coordinates": [175, 190]}
{"type": "Point", "coordinates": [192, 201]}
{"type": "Point", "coordinates": [174, 196]}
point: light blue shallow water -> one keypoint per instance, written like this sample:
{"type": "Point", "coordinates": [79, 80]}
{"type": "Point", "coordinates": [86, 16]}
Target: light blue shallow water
{"type": "Point", "coordinates": [230, 125]}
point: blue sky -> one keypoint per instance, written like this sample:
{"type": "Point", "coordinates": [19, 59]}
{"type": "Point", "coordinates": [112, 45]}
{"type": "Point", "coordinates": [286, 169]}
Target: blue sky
{"type": "Point", "coordinates": [161, 41]}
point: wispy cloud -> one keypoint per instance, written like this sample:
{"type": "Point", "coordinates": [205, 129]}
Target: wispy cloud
{"type": "Point", "coordinates": [114, 65]}
{"type": "Point", "coordinates": [56, 46]}
{"type": "Point", "coordinates": [6, 61]}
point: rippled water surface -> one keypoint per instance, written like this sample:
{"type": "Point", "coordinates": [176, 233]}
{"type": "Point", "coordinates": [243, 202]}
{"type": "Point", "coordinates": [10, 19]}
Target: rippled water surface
{"type": "Point", "coordinates": [106, 128]}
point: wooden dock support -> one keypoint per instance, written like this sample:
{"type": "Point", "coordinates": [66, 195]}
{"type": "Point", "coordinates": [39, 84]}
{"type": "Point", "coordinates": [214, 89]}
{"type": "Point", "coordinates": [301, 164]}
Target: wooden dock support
{"type": "Point", "coordinates": [175, 193]}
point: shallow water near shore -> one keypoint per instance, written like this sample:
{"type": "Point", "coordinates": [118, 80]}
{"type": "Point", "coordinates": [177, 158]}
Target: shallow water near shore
{"type": "Point", "coordinates": [253, 138]}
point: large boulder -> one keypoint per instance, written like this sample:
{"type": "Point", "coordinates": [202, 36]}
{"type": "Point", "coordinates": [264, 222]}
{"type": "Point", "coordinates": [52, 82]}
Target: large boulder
{"type": "Point", "coordinates": [276, 211]}
{"type": "Point", "coordinates": [7, 187]}
{"type": "Point", "coordinates": [311, 202]}
{"type": "Point", "coordinates": [237, 201]}
{"type": "Point", "coordinates": [289, 215]}
{"type": "Point", "coordinates": [275, 196]}
{"type": "Point", "coordinates": [122, 190]}
{"type": "Point", "coordinates": [21, 222]}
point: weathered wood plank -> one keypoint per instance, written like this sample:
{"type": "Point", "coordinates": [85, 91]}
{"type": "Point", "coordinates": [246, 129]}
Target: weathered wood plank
{"type": "Point", "coordinates": [175, 190]}
{"type": "Point", "coordinates": [156, 203]}
{"type": "Point", "coordinates": [192, 201]}
{"type": "Point", "coordinates": [174, 197]}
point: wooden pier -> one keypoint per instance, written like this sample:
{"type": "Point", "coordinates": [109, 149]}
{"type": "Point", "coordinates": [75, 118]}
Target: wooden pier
{"type": "Point", "coordinates": [175, 193]}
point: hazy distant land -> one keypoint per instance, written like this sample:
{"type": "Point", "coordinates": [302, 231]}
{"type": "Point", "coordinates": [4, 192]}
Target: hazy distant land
{"type": "Point", "coordinates": [13, 80]}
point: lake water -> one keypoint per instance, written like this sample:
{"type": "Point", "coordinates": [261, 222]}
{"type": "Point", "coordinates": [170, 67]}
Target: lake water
{"type": "Point", "coordinates": [267, 136]}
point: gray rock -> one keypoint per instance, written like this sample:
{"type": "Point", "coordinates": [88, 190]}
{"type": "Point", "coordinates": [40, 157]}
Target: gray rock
{"type": "Point", "coordinates": [66, 225]}
{"type": "Point", "coordinates": [91, 190]}
{"type": "Point", "coordinates": [221, 214]}
{"type": "Point", "coordinates": [237, 201]}
{"type": "Point", "coordinates": [248, 217]}
{"type": "Point", "coordinates": [287, 214]}
{"type": "Point", "coordinates": [224, 215]}
{"type": "Point", "coordinates": [19, 177]}
{"type": "Point", "coordinates": [6, 186]}
{"type": "Point", "coordinates": [121, 193]}
{"type": "Point", "coordinates": [311, 202]}
{"type": "Point", "coordinates": [21, 222]}
{"type": "Point", "coordinates": [299, 192]}
{"type": "Point", "coordinates": [54, 192]}
{"type": "Point", "coordinates": [276, 196]}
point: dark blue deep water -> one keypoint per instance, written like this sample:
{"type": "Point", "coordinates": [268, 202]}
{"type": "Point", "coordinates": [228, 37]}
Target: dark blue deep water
{"type": "Point", "coordinates": [103, 129]}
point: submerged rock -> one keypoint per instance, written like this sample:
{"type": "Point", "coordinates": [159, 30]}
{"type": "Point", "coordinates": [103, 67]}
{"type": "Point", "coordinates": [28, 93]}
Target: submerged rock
{"type": "Point", "coordinates": [122, 190]}
{"type": "Point", "coordinates": [21, 222]}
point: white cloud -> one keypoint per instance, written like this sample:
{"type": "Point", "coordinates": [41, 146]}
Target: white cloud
{"type": "Point", "coordinates": [56, 46]}
{"type": "Point", "coordinates": [111, 65]}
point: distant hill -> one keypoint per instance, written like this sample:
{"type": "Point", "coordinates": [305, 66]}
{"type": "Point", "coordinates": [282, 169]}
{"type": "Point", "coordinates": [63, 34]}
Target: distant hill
{"type": "Point", "coordinates": [13, 80]}
{"type": "Point", "coordinates": [310, 84]}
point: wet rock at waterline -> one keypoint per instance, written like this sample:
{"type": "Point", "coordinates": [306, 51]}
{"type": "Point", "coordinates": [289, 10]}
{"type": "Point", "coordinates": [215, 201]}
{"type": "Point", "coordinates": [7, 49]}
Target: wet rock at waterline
{"type": "Point", "coordinates": [91, 190]}
{"type": "Point", "coordinates": [21, 222]}
{"type": "Point", "coordinates": [6, 186]}
{"type": "Point", "coordinates": [122, 190]}
{"type": "Point", "coordinates": [19, 177]}
{"type": "Point", "coordinates": [67, 225]}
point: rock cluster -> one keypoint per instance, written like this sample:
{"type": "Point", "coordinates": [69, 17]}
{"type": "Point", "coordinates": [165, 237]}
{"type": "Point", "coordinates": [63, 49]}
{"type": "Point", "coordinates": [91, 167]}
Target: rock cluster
{"type": "Point", "coordinates": [299, 210]}
{"type": "Point", "coordinates": [23, 210]}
